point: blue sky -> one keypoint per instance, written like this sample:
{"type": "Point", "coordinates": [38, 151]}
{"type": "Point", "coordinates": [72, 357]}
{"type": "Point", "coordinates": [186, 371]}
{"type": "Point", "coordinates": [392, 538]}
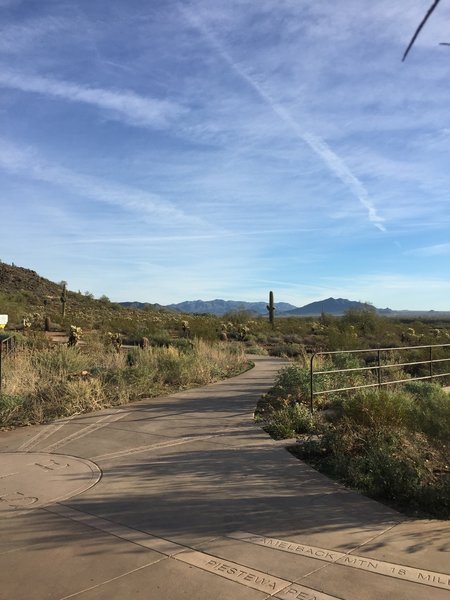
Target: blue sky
{"type": "Point", "coordinates": [170, 150]}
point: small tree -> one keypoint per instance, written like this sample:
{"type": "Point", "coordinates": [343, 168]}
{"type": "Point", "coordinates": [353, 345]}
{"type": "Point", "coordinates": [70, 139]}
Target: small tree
{"type": "Point", "coordinates": [364, 320]}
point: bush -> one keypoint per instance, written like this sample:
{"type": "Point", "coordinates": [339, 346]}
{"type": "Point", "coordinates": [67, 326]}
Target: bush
{"type": "Point", "coordinates": [376, 408]}
{"type": "Point", "coordinates": [391, 445]}
{"type": "Point", "coordinates": [255, 349]}
{"type": "Point", "coordinates": [377, 461]}
{"type": "Point", "coordinates": [291, 420]}
{"type": "Point", "coordinates": [10, 407]}
{"type": "Point", "coordinates": [287, 350]}
{"type": "Point", "coordinates": [291, 382]}
{"type": "Point", "coordinates": [430, 410]}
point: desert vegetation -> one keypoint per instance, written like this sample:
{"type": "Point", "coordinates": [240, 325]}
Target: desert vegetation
{"type": "Point", "coordinates": [43, 382]}
{"type": "Point", "coordinates": [391, 444]}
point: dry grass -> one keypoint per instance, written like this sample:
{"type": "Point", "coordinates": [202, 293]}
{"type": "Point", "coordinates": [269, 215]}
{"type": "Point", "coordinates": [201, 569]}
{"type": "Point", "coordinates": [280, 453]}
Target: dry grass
{"type": "Point", "coordinates": [44, 384]}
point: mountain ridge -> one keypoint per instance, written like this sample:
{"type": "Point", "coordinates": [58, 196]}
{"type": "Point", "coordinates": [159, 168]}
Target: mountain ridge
{"type": "Point", "coordinates": [331, 306]}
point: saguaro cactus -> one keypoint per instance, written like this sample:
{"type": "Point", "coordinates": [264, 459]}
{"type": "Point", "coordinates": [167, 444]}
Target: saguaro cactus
{"type": "Point", "coordinates": [63, 300]}
{"type": "Point", "coordinates": [271, 309]}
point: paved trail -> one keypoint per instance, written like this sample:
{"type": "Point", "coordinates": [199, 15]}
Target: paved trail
{"type": "Point", "coordinates": [185, 497]}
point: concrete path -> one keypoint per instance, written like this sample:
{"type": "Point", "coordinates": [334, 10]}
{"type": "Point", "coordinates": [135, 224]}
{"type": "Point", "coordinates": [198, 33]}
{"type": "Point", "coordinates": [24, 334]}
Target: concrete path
{"type": "Point", "coordinates": [185, 497]}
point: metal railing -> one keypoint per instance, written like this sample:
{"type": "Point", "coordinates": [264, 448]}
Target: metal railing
{"type": "Point", "coordinates": [7, 347]}
{"type": "Point", "coordinates": [379, 367]}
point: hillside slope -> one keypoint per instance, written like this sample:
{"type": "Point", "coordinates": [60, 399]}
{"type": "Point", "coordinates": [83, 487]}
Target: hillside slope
{"type": "Point", "coordinates": [24, 293]}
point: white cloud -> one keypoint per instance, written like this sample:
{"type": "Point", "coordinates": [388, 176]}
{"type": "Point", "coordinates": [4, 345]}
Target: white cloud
{"type": "Point", "coordinates": [27, 163]}
{"type": "Point", "coordinates": [122, 104]}
{"type": "Point", "coordinates": [434, 250]}
{"type": "Point", "coordinates": [334, 163]}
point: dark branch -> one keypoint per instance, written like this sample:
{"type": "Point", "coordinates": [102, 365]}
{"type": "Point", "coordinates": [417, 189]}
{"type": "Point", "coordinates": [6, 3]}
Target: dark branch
{"type": "Point", "coordinates": [418, 30]}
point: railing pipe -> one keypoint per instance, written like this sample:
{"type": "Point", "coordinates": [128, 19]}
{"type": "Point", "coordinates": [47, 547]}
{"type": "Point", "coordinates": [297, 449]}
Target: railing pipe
{"type": "Point", "coordinates": [378, 368]}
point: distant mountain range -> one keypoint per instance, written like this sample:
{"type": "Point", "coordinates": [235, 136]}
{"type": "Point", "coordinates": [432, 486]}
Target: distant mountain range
{"type": "Point", "coordinates": [221, 307]}
{"type": "Point", "coordinates": [330, 306]}
{"type": "Point", "coordinates": [23, 292]}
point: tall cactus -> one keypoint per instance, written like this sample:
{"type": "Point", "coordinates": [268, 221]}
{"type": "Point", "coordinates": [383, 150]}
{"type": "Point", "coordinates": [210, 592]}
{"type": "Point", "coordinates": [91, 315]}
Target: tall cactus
{"type": "Point", "coordinates": [271, 308]}
{"type": "Point", "coordinates": [63, 300]}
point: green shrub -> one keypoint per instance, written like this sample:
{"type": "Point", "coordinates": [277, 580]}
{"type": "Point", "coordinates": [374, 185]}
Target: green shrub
{"type": "Point", "coordinates": [287, 350]}
{"type": "Point", "coordinates": [255, 350]}
{"type": "Point", "coordinates": [435, 496]}
{"type": "Point", "coordinates": [59, 361]}
{"type": "Point", "coordinates": [391, 445]}
{"type": "Point", "coordinates": [336, 381]}
{"type": "Point", "coordinates": [290, 420]}
{"type": "Point", "coordinates": [10, 408]}
{"type": "Point", "coordinates": [379, 408]}
{"type": "Point", "coordinates": [160, 340]}
{"type": "Point", "coordinates": [392, 465]}
{"type": "Point", "coordinates": [291, 382]}
{"type": "Point", "coordinates": [430, 410]}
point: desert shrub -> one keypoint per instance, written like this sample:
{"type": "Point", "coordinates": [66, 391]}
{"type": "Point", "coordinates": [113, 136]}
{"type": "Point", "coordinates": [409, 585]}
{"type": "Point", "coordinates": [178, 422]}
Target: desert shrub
{"type": "Point", "coordinates": [161, 339]}
{"type": "Point", "coordinates": [435, 496]}
{"type": "Point", "coordinates": [59, 361]}
{"type": "Point", "coordinates": [36, 340]}
{"type": "Point", "coordinates": [387, 463]}
{"type": "Point", "coordinates": [206, 327]}
{"type": "Point", "coordinates": [430, 412]}
{"type": "Point", "coordinates": [292, 339]}
{"type": "Point", "coordinates": [324, 380]}
{"type": "Point", "coordinates": [183, 344]}
{"type": "Point", "coordinates": [291, 383]}
{"type": "Point", "coordinates": [379, 408]}
{"type": "Point", "coordinates": [10, 407]}
{"type": "Point", "coordinates": [377, 461]}
{"type": "Point", "coordinates": [287, 350]}
{"type": "Point", "coordinates": [252, 348]}
{"type": "Point", "coordinates": [261, 337]}
{"type": "Point", "coordinates": [391, 445]}
{"type": "Point", "coordinates": [290, 420]}
{"type": "Point", "coordinates": [170, 367]}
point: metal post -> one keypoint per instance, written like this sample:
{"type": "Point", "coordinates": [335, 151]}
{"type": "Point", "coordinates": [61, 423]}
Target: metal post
{"type": "Point", "coordinates": [311, 384]}
{"type": "Point", "coordinates": [431, 363]}
{"type": "Point", "coordinates": [379, 370]}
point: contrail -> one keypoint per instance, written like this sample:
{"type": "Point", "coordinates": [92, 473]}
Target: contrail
{"type": "Point", "coordinates": [317, 144]}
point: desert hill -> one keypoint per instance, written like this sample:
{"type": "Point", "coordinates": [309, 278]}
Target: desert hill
{"type": "Point", "coordinates": [24, 293]}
